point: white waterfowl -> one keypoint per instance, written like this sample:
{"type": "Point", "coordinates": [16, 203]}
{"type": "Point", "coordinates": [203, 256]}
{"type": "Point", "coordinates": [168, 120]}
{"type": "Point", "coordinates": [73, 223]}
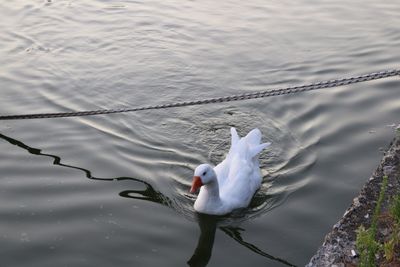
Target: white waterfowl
{"type": "Point", "coordinates": [232, 183]}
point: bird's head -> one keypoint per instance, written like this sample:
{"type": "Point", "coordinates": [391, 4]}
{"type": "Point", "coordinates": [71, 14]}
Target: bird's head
{"type": "Point", "coordinates": [204, 174]}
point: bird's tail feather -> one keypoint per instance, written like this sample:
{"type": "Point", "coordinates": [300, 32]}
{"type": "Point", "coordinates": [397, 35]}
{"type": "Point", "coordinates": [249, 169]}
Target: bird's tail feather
{"type": "Point", "coordinates": [254, 150]}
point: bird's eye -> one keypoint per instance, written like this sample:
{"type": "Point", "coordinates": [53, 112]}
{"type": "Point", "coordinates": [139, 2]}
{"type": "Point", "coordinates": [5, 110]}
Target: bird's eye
{"type": "Point", "coordinates": [204, 173]}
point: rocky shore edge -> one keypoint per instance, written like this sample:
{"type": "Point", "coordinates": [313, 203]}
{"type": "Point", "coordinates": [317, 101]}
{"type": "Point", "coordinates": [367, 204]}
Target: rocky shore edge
{"type": "Point", "coordinates": [338, 248]}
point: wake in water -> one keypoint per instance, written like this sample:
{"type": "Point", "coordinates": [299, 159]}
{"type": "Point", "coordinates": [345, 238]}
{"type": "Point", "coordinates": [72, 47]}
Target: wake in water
{"type": "Point", "coordinates": [208, 224]}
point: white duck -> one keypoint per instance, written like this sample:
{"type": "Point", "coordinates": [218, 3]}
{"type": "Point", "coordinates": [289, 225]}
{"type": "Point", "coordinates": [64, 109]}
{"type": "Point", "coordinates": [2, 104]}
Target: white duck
{"type": "Point", "coordinates": [233, 182]}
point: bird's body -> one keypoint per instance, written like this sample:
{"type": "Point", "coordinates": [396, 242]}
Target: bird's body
{"type": "Point", "coordinates": [232, 183]}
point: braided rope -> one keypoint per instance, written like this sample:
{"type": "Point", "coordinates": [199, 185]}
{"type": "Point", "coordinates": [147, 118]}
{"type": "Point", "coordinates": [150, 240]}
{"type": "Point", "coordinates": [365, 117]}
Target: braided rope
{"type": "Point", "coordinates": [244, 96]}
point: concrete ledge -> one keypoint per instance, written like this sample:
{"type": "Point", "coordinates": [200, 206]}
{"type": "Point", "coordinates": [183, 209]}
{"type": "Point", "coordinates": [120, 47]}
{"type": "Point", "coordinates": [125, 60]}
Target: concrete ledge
{"type": "Point", "coordinates": [338, 248]}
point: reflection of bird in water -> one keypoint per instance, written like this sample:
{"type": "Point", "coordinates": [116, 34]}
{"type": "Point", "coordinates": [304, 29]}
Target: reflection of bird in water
{"type": "Point", "coordinates": [208, 226]}
{"type": "Point", "coordinates": [202, 253]}
{"type": "Point", "coordinates": [208, 223]}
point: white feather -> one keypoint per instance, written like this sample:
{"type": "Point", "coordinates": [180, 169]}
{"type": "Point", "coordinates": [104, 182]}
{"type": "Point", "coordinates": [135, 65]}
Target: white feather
{"type": "Point", "coordinates": [233, 182]}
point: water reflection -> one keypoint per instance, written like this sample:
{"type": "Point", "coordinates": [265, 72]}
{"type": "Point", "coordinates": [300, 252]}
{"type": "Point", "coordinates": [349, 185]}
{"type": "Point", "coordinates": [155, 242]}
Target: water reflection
{"type": "Point", "coordinates": [207, 223]}
{"type": "Point", "coordinates": [149, 193]}
{"type": "Point", "coordinates": [202, 253]}
{"type": "Point", "coordinates": [234, 232]}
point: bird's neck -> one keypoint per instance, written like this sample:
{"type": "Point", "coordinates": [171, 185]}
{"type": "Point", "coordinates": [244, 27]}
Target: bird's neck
{"type": "Point", "coordinates": [209, 200]}
{"type": "Point", "coordinates": [210, 192]}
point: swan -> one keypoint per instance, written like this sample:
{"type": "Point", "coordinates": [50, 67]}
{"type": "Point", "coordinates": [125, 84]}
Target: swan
{"type": "Point", "coordinates": [232, 183]}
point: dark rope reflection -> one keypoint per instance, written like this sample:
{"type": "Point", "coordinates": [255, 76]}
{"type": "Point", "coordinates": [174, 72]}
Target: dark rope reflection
{"type": "Point", "coordinates": [149, 193]}
{"type": "Point", "coordinates": [207, 223]}
{"type": "Point", "coordinates": [234, 232]}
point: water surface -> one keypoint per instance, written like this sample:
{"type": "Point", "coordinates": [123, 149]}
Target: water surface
{"type": "Point", "coordinates": [113, 190]}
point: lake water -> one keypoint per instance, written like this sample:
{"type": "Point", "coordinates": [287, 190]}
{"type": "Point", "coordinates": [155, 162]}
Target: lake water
{"type": "Point", "coordinates": [113, 190]}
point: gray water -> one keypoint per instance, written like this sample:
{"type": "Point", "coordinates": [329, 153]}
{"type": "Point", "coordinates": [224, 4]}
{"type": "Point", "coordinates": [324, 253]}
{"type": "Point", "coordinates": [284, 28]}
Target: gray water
{"type": "Point", "coordinates": [113, 190]}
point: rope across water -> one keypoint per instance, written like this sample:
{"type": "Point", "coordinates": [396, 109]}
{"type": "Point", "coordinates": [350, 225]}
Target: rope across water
{"type": "Point", "coordinates": [244, 96]}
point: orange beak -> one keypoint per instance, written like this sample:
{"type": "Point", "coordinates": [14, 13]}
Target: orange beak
{"type": "Point", "coordinates": [196, 184]}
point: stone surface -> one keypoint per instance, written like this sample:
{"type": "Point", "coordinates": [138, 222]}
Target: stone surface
{"type": "Point", "coordinates": [338, 248]}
